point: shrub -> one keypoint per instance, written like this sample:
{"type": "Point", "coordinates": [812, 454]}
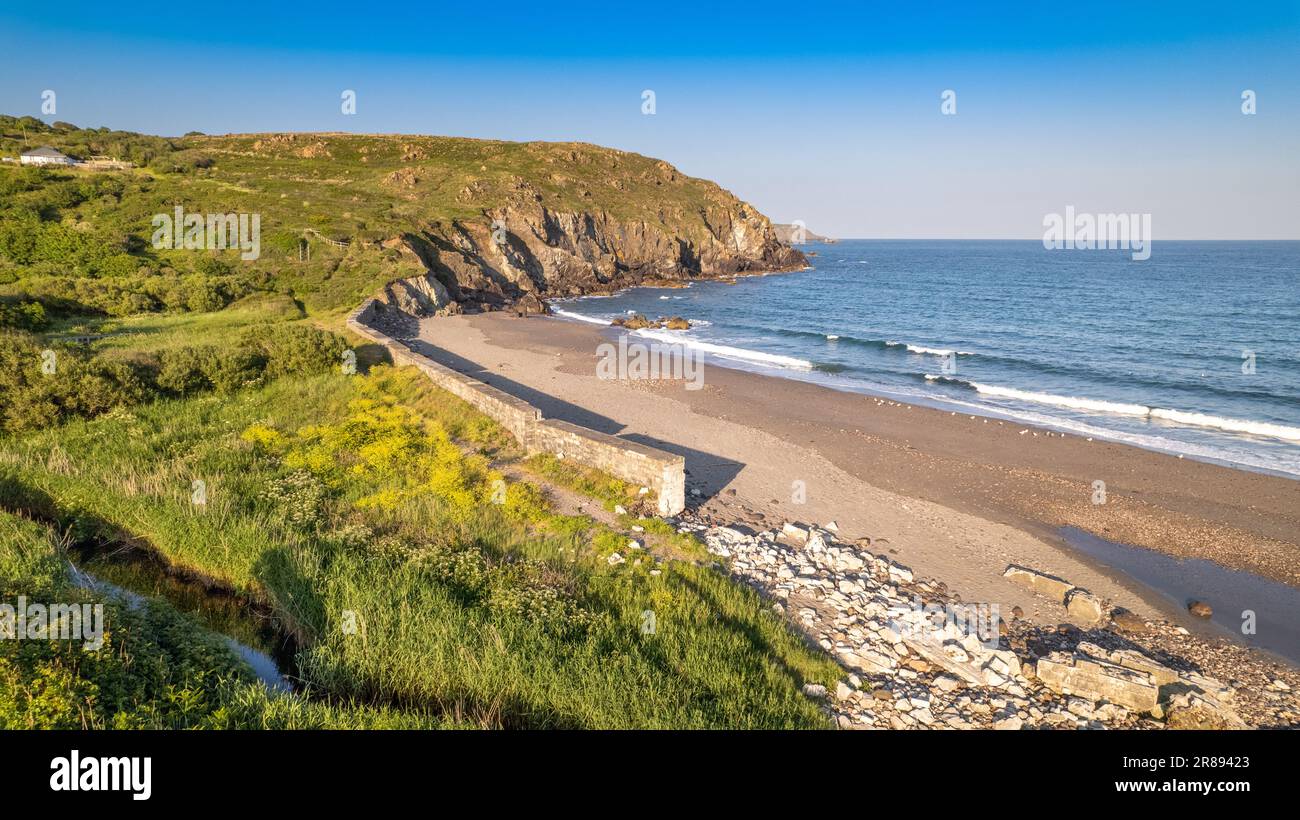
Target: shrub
{"type": "Point", "coordinates": [22, 315]}
{"type": "Point", "coordinates": [79, 384]}
{"type": "Point", "coordinates": [295, 348]}
{"type": "Point", "coordinates": [40, 385]}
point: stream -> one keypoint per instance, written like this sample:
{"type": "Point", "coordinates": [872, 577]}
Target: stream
{"type": "Point", "coordinates": [132, 576]}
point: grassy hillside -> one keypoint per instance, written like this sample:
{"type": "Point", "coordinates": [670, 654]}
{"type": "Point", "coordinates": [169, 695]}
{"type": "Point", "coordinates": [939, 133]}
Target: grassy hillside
{"type": "Point", "coordinates": [80, 240]}
{"type": "Point", "coordinates": [364, 513]}
{"type": "Point", "coordinates": [379, 501]}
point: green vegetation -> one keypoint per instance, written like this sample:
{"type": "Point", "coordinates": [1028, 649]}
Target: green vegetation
{"type": "Point", "coordinates": [42, 385]}
{"type": "Point", "coordinates": [609, 491]}
{"type": "Point", "coordinates": [190, 404]}
{"type": "Point", "coordinates": [80, 240]}
{"type": "Point", "coordinates": [330, 494]}
{"type": "Point", "coordinates": [157, 669]}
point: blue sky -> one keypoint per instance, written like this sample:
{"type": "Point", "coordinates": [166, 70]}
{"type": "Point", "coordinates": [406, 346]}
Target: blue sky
{"type": "Point", "coordinates": [828, 113]}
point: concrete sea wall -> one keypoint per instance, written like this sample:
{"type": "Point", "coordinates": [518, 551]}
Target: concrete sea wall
{"type": "Point", "coordinates": [661, 471]}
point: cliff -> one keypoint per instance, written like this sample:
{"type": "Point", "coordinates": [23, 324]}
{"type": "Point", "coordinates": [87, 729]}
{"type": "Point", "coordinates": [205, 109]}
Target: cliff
{"type": "Point", "coordinates": [498, 224]}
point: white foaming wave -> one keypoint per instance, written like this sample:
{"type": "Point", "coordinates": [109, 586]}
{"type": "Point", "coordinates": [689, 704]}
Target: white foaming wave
{"type": "Point", "coordinates": [1257, 428]}
{"type": "Point", "coordinates": [930, 351]}
{"type": "Point", "coordinates": [1075, 402]}
{"type": "Point", "coordinates": [1240, 458]}
{"type": "Point", "coordinates": [725, 351]}
{"type": "Point", "coordinates": [579, 317]}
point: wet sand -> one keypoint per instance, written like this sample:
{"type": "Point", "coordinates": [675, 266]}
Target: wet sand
{"type": "Point", "coordinates": [957, 498]}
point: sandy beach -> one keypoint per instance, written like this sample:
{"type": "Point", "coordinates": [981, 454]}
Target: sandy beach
{"type": "Point", "coordinates": [956, 497]}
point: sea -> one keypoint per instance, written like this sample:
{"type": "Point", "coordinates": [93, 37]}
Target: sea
{"type": "Point", "coordinates": [1194, 351]}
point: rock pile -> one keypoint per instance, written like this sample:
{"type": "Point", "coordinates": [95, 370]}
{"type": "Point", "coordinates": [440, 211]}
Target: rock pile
{"type": "Point", "coordinates": [916, 656]}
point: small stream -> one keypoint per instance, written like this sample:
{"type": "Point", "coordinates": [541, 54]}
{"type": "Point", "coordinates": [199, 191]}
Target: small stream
{"type": "Point", "coordinates": [132, 576]}
{"type": "Point", "coordinates": [1230, 593]}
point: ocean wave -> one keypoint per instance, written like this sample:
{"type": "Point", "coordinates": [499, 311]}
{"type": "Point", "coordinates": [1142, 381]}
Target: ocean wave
{"type": "Point", "coordinates": [1258, 428]}
{"type": "Point", "coordinates": [725, 351]}
{"type": "Point", "coordinates": [845, 338]}
{"type": "Point", "coordinates": [929, 351]}
{"type": "Point", "coordinates": [591, 320]}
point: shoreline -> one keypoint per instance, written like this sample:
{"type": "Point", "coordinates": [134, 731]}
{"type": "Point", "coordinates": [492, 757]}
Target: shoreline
{"type": "Point", "coordinates": [811, 372]}
{"type": "Point", "coordinates": [995, 497]}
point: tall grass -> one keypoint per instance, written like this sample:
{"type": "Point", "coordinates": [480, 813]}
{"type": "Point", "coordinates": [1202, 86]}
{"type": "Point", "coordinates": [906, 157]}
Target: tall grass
{"type": "Point", "coordinates": [157, 669]}
{"type": "Point", "coordinates": [338, 501]}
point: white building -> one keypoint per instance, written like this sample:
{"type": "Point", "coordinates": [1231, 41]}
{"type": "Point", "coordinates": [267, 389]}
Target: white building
{"type": "Point", "coordinates": [45, 155]}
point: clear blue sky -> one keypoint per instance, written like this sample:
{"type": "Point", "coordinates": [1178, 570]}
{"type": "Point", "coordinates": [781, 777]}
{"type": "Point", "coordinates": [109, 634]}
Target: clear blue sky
{"type": "Point", "coordinates": [828, 113]}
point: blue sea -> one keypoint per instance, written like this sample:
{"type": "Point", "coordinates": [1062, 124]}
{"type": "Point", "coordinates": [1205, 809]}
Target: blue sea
{"type": "Point", "coordinates": [1195, 351]}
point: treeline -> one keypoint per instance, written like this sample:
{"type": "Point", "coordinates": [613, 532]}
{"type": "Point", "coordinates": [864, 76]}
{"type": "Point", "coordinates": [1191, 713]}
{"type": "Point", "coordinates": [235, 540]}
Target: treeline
{"type": "Point", "coordinates": [41, 386]}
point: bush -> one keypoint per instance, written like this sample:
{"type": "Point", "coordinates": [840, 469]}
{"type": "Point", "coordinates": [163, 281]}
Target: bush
{"type": "Point", "coordinates": [295, 348]}
{"type": "Point", "coordinates": [41, 386]}
{"type": "Point", "coordinates": [183, 371]}
{"type": "Point", "coordinates": [230, 370]}
{"type": "Point", "coordinates": [22, 315]}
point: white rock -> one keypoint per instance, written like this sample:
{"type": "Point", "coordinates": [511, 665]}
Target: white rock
{"type": "Point", "coordinates": [615, 559]}
{"type": "Point", "coordinates": [899, 574]}
{"type": "Point", "coordinates": [794, 532]}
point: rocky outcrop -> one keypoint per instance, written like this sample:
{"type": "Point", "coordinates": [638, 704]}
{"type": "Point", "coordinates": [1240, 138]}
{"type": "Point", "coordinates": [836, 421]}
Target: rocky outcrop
{"type": "Point", "coordinates": [798, 234]}
{"type": "Point", "coordinates": [638, 321]}
{"type": "Point", "coordinates": [524, 252]}
{"type": "Point", "coordinates": [420, 296]}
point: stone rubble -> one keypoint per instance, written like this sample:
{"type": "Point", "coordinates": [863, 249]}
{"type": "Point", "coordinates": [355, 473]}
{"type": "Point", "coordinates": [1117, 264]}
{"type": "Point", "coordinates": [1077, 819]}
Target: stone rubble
{"type": "Point", "coordinates": [915, 656]}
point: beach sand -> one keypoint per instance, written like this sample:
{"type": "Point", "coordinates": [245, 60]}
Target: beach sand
{"type": "Point", "coordinates": [954, 497]}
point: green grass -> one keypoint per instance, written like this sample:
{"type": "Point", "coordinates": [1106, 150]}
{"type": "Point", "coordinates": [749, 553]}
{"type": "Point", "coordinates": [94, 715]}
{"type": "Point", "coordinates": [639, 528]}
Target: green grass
{"type": "Point", "coordinates": [155, 332]}
{"type": "Point", "coordinates": [157, 669]}
{"type": "Point", "coordinates": [590, 482]}
{"type": "Point", "coordinates": [484, 614]}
